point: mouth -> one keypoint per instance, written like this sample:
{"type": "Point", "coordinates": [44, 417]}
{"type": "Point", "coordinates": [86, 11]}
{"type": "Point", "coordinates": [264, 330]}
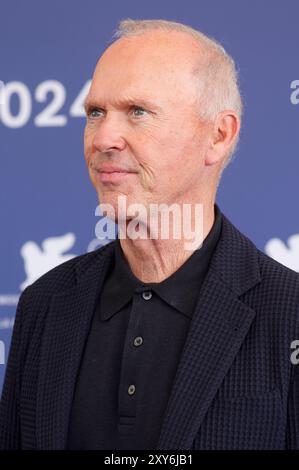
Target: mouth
{"type": "Point", "coordinates": [113, 174]}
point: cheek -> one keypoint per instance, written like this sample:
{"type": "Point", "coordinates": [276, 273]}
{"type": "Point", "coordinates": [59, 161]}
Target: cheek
{"type": "Point", "coordinates": [181, 162]}
{"type": "Point", "coordinates": [87, 148]}
{"type": "Point", "coordinates": [160, 155]}
{"type": "Point", "coordinates": [174, 152]}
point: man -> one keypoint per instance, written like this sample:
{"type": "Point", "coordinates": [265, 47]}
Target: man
{"type": "Point", "coordinates": [145, 344]}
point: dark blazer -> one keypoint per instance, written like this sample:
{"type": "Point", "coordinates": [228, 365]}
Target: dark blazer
{"type": "Point", "coordinates": [235, 386]}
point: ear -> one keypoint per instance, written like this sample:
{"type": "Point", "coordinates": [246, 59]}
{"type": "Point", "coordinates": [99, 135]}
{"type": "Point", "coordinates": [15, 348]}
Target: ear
{"type": "Point", "coordinates": [225, 132]}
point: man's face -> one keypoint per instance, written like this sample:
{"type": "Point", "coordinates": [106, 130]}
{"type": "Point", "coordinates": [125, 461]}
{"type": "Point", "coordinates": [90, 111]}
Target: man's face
{"type": "Point", "coordinates": [142, 118]}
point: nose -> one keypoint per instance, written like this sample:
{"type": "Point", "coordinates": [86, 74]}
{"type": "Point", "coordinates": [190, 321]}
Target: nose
{"type": "Point", "coordinates": [109, 135]}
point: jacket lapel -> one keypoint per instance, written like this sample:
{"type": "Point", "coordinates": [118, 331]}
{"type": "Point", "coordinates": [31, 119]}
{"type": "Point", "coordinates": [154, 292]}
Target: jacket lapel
{"type": "Point", "coordinates": [66, 330]}
{"type": "Point", "coordinates": [219, 326]}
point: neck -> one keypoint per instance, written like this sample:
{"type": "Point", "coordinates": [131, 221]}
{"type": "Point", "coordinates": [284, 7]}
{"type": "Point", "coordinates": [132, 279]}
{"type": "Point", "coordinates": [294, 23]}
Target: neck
{"type": "Point", "coordinates": [155, 259]}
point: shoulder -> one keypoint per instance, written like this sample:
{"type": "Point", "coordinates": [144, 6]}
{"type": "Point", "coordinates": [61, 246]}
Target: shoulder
{"type": "Point", "coordinates": [239, 246]}
{"type": "Point", "coordinates": [64, 276]}
{"type": "Point", "coordinates": [279, 288]}
{"type": "Point", "coordinates": [268, 286]}
{"type": "Point", "coordinates": [277, 273]}
{"type": "Point", "coordinates": [276, 297]}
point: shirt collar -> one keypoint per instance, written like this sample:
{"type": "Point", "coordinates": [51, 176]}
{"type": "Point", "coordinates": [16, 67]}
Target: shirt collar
{"type": "Point", "coordinates": [179, 290]}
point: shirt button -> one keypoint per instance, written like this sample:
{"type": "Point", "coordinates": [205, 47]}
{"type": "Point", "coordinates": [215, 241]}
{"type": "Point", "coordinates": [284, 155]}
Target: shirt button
{"type": "Point", "coordinates": [138, 341]}
{"type": "Point", "coordinates": [131, 390]}
{"type": "Point", "coordinates": [147, 295]}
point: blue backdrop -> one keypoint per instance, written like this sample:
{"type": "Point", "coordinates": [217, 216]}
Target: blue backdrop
{"type": "Point", "coordinates": [48, 50]}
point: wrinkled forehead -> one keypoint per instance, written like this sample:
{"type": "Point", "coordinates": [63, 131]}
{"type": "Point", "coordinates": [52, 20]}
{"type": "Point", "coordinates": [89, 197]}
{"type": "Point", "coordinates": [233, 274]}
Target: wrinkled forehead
{"type": "Point", "coordinates": [157, 65]}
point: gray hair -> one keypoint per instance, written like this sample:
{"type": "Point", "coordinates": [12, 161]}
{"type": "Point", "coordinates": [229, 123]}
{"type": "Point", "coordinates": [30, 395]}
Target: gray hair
{"type": "Point", "coordinates": [219, 88]}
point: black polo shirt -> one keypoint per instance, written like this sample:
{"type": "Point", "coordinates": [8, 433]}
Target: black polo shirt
{"type": "Point", "coordinates": [132, 353]}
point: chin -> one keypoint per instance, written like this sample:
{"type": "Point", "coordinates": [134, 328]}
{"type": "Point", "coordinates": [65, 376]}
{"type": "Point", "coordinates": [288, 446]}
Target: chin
{"type": "Point", "coordinates": [109, 205]}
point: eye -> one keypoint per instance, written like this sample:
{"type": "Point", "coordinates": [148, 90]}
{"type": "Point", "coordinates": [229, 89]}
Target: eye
{"type": "Point", "coordinates": [94, 113]}
{"type": "Point", "coordinates": [138, 111]}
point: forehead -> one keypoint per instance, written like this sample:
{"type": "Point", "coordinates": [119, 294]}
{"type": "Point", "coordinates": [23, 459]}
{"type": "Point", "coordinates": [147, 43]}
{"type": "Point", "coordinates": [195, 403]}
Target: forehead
{"type": "Point", "coordinates": [151, 65]}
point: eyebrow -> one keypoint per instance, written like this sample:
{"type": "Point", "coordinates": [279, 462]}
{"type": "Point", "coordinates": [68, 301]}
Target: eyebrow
{"type": "Point", "coordinates": [90, 103]}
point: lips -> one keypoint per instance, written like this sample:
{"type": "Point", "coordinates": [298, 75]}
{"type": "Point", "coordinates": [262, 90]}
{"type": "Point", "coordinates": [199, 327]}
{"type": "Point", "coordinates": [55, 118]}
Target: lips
{"type": "Point", "coordinates": [113, 169]}
{"type": "Point", "coordinates": [113, 174]}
